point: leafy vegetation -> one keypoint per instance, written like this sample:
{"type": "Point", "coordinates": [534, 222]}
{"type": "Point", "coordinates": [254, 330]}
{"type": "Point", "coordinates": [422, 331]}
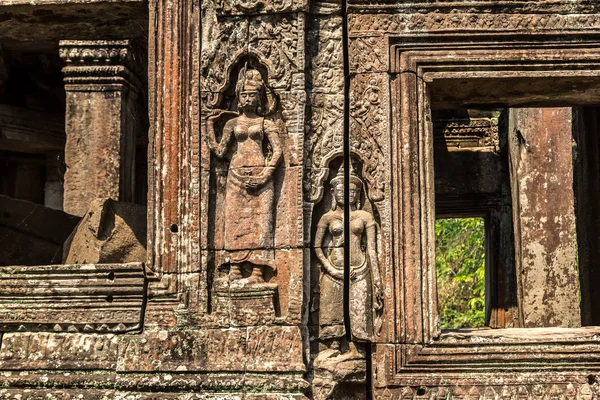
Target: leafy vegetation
{"type": "Point", "coordinates": [460, 265]}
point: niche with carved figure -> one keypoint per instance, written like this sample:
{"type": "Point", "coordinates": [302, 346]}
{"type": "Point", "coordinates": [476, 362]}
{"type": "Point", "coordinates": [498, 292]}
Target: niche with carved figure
{"type": "Point", "coordinates": [346, 284]}
{"type": "Point", "coordinates": [246, 136]}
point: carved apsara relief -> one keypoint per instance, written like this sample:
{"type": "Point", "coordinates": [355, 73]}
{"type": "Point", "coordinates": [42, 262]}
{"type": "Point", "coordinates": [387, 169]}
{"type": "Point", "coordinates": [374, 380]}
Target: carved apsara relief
{"type": "Point", "coordinates": [249, 200]}
{"type": "Point", "coordinates": [340, 363]}
{"type": "Point", "coordinates": [366, 297]}
{"type": "Point", "coordinates": [249, 194]}
{"type": "Point", "coordinates": [250, 217]}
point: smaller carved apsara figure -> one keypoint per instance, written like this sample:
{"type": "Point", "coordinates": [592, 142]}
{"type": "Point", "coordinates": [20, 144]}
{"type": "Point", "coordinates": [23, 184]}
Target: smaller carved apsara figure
{"type": "Point", "coordinates": [366, 296]}
{"type": "Point", "coordinates": [249, 192]}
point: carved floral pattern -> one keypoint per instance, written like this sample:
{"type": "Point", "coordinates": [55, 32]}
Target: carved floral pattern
{"type": "Point", "coordinates": [455, 21]}
{"type": "Point", "coordinates": [327, 55]}
{"type": "Point", "coordinates": [225, 7]}
{"type": "Point", "coordinates": [275, 39]}
{"type": "Point", "coordinates": [95, 52]}
{"type": "Point", "coordinates": [368, 54]}
{"type": "Point", "coordinates": [367, 129]}
{"type": "Point", "coordinates": [325, 143]}
{"type": "Point", "coordinates": [229, 43]}
{"type": "Point", "coordinates": [367, 135]}
{"type": "Point", "coordinates": [476, 132]}
{"type": "Point", "coordinates": [482, 6]}
{"type": "Point", "coordinates": [271, 39]}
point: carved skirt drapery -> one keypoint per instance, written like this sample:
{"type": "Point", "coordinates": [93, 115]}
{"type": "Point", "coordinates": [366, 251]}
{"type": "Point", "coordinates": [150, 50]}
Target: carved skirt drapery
{"type": "Point", "coordinates": [331, 307]}
{"type": "Point", "coordinates": [248, 219]}
{"type": "Point", "coordinates": [331, 304]}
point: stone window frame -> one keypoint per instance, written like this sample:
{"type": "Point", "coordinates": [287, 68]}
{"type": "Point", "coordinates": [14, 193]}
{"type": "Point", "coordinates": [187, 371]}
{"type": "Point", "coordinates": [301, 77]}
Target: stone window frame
{"type": "Point", "coordinates": [415, 66]}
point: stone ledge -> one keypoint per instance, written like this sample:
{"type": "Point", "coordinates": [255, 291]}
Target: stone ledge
{"type": "Point", "coordinates": [73, 384]}
{"type": "Point", "coordinates": [7, 3]}
{"type": "Point", "coordinates": [89, 297]}
{"type": "Point", "coordinates": [251, 350]}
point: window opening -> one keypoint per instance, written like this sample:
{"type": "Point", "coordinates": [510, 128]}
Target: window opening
{"type": "Point", "coordinates": [460, 267]}
{"type": "Point", "coordinates": [529, 177]}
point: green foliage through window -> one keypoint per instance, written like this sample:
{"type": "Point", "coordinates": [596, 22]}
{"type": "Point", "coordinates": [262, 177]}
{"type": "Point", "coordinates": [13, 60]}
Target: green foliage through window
{"type": "Point", "coordinates": [460, 265]}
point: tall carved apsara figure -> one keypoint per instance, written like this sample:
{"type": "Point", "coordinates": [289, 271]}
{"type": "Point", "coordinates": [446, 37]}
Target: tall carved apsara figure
{"type": "Point", "coordinates": [249, 193]}
{"type": "Point", "coordinates": [366, 296]}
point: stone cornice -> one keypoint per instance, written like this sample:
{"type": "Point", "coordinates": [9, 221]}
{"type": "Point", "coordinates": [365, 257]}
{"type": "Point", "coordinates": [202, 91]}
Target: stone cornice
{"type": "Point", "coordinates": [478, 6]}
{"type": "Point", "coordinates": [100, 52]}
{"type": "Point", "coordinates": [97, 63]}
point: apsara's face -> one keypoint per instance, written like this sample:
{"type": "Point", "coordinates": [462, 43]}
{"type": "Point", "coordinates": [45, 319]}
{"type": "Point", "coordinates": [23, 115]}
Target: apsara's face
{"type": "Point", "coordinates": [353, 193]}
{"type": "Point", "coordinates": [338, 193]}
{"type": "Point", "coordinates": [248, 99]}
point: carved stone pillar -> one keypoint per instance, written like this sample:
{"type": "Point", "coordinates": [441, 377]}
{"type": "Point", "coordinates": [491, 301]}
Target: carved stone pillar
{"type": "Point", "coordinates": [101, 95]}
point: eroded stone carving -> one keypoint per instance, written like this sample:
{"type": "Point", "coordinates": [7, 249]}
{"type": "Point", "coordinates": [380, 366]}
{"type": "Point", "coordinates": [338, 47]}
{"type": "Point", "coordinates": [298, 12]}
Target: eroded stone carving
{"type": "Point", "coordinates": [368, 54]}
{"type": "Point", "coordinates": [249, 192]}
{"type": "Point", "coordinates": [366, 296]}
{"type": "Point", "coordinates": [368, 125]}
{"type": "Point", "coordinates": [109, 232]}
{"type": "Point", "coordinates": [227, 38]}
{"type": "Point", "coordinates": [274, 38]}
{"type": "Point", "coordinates": [254, 6]}
{"type": "Point", "coordinates": [467, 131]}
{"type": "Point", "coordinates": [453, 20]}
{"type": "Point", "coordinates": [71, 298]}
{"type": "Point", "coordinates": [340, 361]}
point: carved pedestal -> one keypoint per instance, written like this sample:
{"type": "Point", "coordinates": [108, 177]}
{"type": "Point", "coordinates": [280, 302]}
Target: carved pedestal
{"type": "Point", "coordinates": [246, 304]}
{"type": "Point", "coordinates": [340, 376]}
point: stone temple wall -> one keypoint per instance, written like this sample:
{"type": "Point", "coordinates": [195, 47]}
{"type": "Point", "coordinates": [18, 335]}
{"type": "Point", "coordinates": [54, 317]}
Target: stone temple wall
{"type": "Point", "coordinates": [236, 199]}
